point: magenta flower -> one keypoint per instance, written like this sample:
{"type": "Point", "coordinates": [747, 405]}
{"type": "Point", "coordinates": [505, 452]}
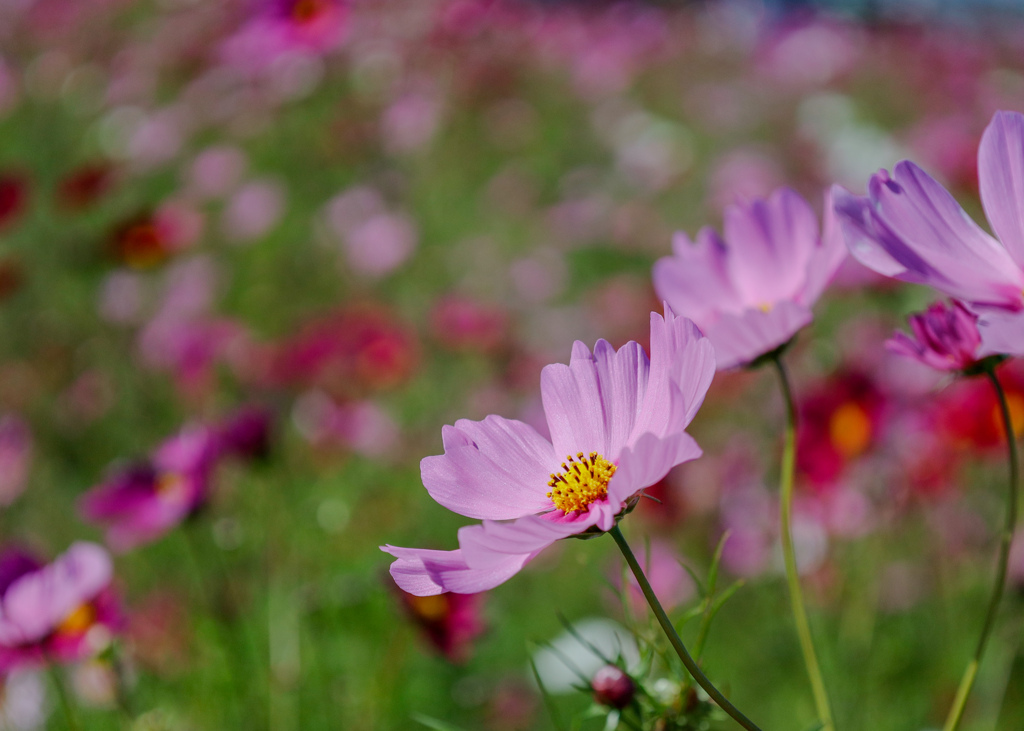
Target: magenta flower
{"type": "Point", "coordinates": [141, 502]}
{"type": "Point", "coordinates": [49, 612]}
{"type": "Point", "coordinates": [617, 424]}
{"type": "Point", "coordinates": [753, 291]}
{"type": "Point", "coordinates": [945, 338]}
{"type": "Point", "coordinates": [909, 227]}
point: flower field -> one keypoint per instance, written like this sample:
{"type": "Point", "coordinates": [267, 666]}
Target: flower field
{"type": "Point", "coordinates": [336, 334]}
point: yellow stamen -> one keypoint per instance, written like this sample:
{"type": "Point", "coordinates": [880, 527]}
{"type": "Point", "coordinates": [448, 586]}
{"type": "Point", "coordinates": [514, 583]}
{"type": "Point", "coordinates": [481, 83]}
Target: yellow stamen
{"type": "Point", "coordinates": [850, 429]}
{"type": "Point", "coordinates": [765, 307]}
{"type": "Point", "coordinates": [80, 619]}
{"type": "Point", "coordinates": [581, 482]}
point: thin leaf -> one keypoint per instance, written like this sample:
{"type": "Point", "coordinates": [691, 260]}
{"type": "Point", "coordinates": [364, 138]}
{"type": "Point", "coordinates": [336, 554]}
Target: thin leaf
{"type": "Point", "coordinates": [549, 703]}
{"type": "Point", "coordinates": [434, 723]}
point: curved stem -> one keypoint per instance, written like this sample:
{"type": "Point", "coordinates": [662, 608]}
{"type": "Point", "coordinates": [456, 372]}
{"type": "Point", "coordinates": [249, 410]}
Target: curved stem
{"type": "Point", "coordinates": [1006, 539]}
{"type": "Point", "coordinates": [796, 598]}
{"type": "Point", "coordinates": [673, 636]}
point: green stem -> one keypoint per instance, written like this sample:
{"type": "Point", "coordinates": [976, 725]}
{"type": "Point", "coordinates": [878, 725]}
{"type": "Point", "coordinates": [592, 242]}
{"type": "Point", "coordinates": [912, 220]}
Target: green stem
{"type": "Point", "coordinates": [673, 636]}
{"type": "Point", "coordinates": [1006, 539]}
{"type": "Point", "coordinates": [227, 644]}
{"type": "Point", "coordinates": [62, 696]}
{"type": "Point", "coordinates": [803, 627]}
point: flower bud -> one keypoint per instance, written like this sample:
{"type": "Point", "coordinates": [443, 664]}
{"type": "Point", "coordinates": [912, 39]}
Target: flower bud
{"type": "Point", "coordinates": [613, 687]}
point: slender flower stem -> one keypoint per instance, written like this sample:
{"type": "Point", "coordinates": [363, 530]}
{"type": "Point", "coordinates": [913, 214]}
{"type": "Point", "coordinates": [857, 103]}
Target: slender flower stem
{"type": "Point", "coordinates": [62, 696]}
{"type": "Point", "coordinates": [673, 636]}
{"type": "Point", "coordinates": [967, 682]}
{"type": "Point", "coordinates": [796, 598]}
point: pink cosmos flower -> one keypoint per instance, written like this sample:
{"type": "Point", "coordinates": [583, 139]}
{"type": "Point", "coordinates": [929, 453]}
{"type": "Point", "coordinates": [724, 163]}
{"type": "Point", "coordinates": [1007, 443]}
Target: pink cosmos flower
{"type": "Point", "coordinates": [48, 612]}
{"type": "Point", "coordinates": [141, 502]}
{"type": "Point", "coordinates": [752, 291]}
{"type": "Point", "coordinates": [945, 338]}
{"type": "Point", "coordinates": [617, 422]}
{"type": "Point", "coordinates": [451, 622]}
{"type": "Point", "coordinates": [909, 227]}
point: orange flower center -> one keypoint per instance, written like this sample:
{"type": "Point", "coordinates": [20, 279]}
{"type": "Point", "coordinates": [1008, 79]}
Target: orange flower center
{"type": "Point", "coordinates": [78, 621]}
{"type": "Point", "coordinates": [429, 608]}
{"type": "Point", "coordinates": [1015, 403]}
{"type": "Point", "coordinates": [850, 429]}
{"type": "Point", "coordinates": [306, 11]}
{"type": "Point", "coordinates": [581, 481]}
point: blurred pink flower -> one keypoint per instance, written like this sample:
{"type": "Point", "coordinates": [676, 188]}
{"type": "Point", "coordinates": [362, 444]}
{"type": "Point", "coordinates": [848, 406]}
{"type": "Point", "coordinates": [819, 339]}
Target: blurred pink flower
{"type": "Point", "coordinates": [670, 581]}
{"type": "Point", "coordinates": [359, 349]}
{"type": "Point", "coordinates": [451, 622]}
{"type": "Point", "coordinates": [253, 210]}
{"type": "Point", "coordinates": [216, 171]}
{"type": "Point", "coordinates": [841, 419]}
{"type": "Point", "coordinates": [753, 291]}
{"type": "Point", "coordinates": [280, 27]}
{"type": "Point", "coordinates": [360, 426]}
{"type": "Point", "coordinates": [411, 121]}
{"type": "Point", "coordinates": [380, 244]}
{"type": "Point", "coordinates": [945, 338]}
{"type": "Point", "coordinates": [743, 174]}
{"type": "Point", "coordinates": [463, 323]}
{"type": "Point", "coordinates": [622, 416]}
{"type": "Point", "coordinates": [141, 502]}
{"type": "Point", "coordinates": [60, 612]}
{"type": "Point", "coordinates": [15, 457]}
{"type": "Point", "coordinates": [183, 337]}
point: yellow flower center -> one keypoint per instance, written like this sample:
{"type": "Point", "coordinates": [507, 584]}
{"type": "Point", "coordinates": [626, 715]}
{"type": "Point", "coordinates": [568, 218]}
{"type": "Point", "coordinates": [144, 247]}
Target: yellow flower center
{"type": "Point", "coordinates": [80, 619]}
{"type": "Point", "coordinates": [581, 481]}
{"type": "Point", "coordinates": [850, 429]}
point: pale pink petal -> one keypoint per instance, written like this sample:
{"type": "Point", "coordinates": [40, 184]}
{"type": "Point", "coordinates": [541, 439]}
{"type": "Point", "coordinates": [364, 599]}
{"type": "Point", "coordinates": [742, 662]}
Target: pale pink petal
{"type": "Point", "coordinates": [864, 236]}
{"type": "Point", "coordinates": [622, 380]}
{"type": "Point", "coordinates": [827, 257]}
{"type": "Point", "coordinates": [770, 244]}
{"type": "Point", "coordinates": [682, 366]}
{"type": "Point", "coordinates": [694, 279]}
{"type": "Point", "coordinates": [425, 572]}
{"type": "Point", "coordinates": [648, 461]}
{"type": "Point", "coordinates": [738, 340]}
{"type": "Point", "coordinates": [571, 395]}
{"type": "Point", "coordinates": [496, 468]}
{"type": "Point", "coordinates": [1001, 178]}
{"type": "Point", "coordinates": [1001, 333]}
{"type": "Point", "coordinates": [922, 227]}
{"type": "Point", "coordinates": [489, 544]}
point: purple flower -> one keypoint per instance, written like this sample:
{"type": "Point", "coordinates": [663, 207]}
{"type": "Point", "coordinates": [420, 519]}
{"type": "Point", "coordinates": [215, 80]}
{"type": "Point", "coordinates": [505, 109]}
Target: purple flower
{"type": "Point", "coordinates": [48, 612]}
{"type": "Point", "coordinates": [141, 502]}
{"type": "Point", "coordinates": [909, 227]}
{"type": "Point", "coordinates": [617, 424]}
{"type": "Point", "coordinates": [945, 338]}
{"type": "Point", "coordinates": [751, 292]}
